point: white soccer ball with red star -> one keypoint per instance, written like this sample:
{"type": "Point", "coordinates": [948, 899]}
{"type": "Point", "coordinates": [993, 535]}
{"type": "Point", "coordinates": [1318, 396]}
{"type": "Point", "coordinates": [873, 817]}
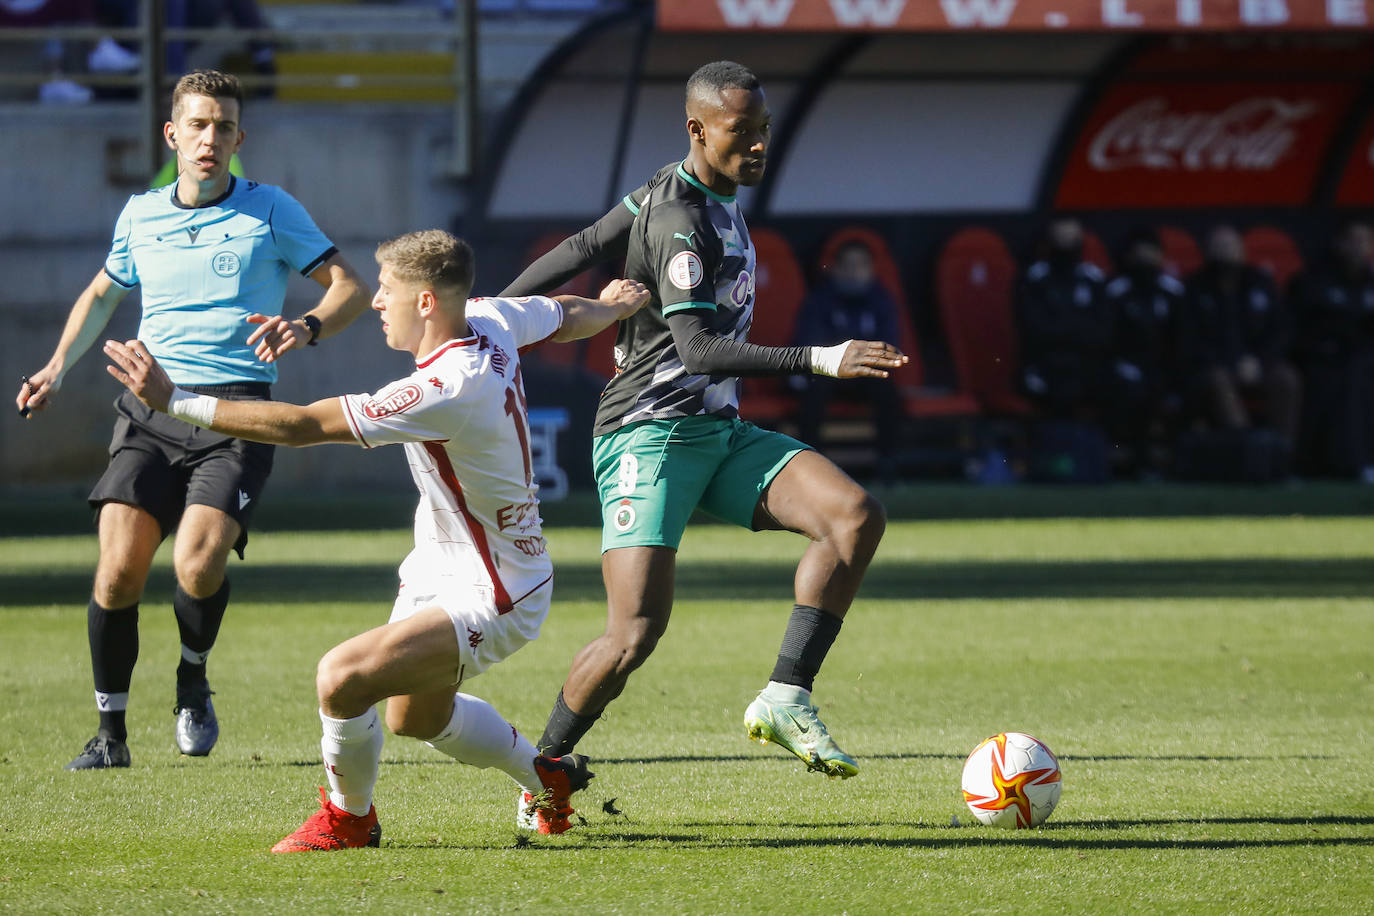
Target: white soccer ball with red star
{"type": "Point", "coordinates": [1011, 780]}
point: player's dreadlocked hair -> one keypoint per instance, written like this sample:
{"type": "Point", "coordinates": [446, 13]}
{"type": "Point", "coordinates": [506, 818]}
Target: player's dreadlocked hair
{"type": "Point", "coordinates": [432, 257]}
{"type": "Point", "coordinates": [713, 78]}
{"type": "Point", "coordinates": [213, 83]}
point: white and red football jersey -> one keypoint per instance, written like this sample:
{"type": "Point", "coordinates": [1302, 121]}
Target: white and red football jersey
{"type": "Point", "coordinates": [461, 416]}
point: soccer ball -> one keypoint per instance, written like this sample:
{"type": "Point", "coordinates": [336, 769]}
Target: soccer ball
{"type": "Point", "coordinates": [1011, 780]}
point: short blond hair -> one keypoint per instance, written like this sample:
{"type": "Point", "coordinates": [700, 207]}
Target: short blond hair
{"type": "Point", "coordinates": [431, 257]}
{"type": "Point", "coordinates": [215, 84]}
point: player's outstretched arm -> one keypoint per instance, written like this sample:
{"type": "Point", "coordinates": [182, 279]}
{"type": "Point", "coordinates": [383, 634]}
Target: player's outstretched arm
{"type": "Point", "coordinates": [705, 351]}
{"type": "Point", "coordinates": [274, 422]}
{"type": "Point", "coordinates": [88, 318]}
{"type": "Point", "coordinates": [603, 240]}
{"type": "Point", "coordinates": [346, 296]}
{"type": "Point", "coordinates": [586, 317]}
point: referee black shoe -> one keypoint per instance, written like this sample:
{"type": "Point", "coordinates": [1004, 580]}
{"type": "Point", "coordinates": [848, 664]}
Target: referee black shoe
{"type": "Point", "coordinates": [197, 727]}
{"type": "Point", "coordinates": [101, 753]}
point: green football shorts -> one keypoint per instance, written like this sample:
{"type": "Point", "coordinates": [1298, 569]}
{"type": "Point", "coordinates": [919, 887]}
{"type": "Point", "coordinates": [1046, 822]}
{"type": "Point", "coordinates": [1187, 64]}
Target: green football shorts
{"type": "Point", "coordinates": [652, 474]}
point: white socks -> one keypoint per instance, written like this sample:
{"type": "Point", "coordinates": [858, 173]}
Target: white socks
{"type": "Point", "coordinates": [476, 735]}
{"type": "Point", "coordinates": [352, 749]}
{"type": "Point", "coordinates": [791, 694]}
{"type": "Point", "coordinates": [479, 736]}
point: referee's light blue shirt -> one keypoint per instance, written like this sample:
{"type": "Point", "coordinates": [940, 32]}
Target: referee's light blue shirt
{"type": "Point", "coordinates": [205, 269]}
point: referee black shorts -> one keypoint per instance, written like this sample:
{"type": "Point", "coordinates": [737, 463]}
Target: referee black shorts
{"type": "Point", "coordinates": [162, 465]}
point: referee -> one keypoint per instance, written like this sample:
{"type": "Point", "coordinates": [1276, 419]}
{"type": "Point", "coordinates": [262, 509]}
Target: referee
{"type": "Point", "coordinates": [212, 254]}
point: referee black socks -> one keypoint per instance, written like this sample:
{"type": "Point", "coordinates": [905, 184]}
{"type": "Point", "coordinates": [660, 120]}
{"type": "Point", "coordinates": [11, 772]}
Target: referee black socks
{"type": "Point", "coordinates": [113, 635]}
{"type": "Point", "coordinates": [810, 634]}
{"type": "Point", "coordinates": [198, 619]}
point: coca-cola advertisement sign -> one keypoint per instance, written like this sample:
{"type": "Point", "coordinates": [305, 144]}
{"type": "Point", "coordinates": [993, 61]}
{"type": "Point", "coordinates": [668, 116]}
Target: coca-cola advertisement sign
{"type": "Point", "coordinates": [1184, 145]}
{"type": "Point", "coordinates": [1357, 180]}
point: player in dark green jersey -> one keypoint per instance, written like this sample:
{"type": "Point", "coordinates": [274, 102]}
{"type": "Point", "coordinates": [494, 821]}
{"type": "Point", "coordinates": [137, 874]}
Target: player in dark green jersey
{"type": "Point", "coordinates": [669, 438]}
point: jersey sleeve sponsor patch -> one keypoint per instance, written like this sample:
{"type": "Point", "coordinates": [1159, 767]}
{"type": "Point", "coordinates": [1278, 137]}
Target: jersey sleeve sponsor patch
{"type": "Point", "coordinates": [389, 403]}
{"type": "Point", "coordinates": [413, 409]}
{"type": "Point", "coordinates": [685, 270]}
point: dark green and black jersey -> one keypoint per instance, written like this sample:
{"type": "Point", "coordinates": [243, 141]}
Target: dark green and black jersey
{"type": "Point", "coordinates": [690, 246]}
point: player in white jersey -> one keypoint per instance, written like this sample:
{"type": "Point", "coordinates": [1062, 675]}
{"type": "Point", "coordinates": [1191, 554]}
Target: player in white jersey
{"type": "Point", "coordinates": [476, 587]}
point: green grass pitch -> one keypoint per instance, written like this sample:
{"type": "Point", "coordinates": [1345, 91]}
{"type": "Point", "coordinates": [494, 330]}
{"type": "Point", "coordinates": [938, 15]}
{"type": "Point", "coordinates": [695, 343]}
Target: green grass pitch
{"type": "Point", "coordinates": [1205, 682]}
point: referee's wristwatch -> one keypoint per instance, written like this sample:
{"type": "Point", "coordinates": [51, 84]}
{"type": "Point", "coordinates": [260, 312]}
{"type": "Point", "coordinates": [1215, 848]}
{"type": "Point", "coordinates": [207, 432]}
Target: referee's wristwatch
{"type": "Point", "coordinates": [313, 323]}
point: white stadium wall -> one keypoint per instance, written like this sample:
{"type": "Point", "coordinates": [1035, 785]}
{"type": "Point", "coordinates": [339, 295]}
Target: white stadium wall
{"type": "Point", "coordinates": [904, 124]}
{"type": "Point", "coordinates": [911, 147]}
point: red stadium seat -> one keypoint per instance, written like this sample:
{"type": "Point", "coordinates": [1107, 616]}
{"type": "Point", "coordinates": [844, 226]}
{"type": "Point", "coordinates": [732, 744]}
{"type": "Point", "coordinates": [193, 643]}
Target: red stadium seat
{"type": "Point", "coordinates": [1181, 254]}
{"type": "Point", "coordinates": [566, 354]}
{"type": "Point", "coordinates": [781, 287]}
{"type": "Point", "coordinates": [1095, 253]}
{"type": "Point", "coordinates": [911, 377]}
{"type": "Point", "coordinates": [581, 285]}
{"type": "Point", "coordinates": [975, 278]}
{"type": "Point", "coordinates": [599, 356]}
{"type": "Point", "coordinates": [884, 265]}
{"type": "Point", "coordinates": [1273, 250]}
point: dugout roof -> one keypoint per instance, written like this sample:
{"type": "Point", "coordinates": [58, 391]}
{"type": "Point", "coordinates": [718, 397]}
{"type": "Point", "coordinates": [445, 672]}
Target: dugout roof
{"type": "Point", "coordinates": [881, 122]}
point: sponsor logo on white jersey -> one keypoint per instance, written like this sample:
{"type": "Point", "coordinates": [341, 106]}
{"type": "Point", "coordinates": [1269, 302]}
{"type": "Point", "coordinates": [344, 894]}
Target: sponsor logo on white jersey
{"type": "Point", "coordinates": [393, 402]}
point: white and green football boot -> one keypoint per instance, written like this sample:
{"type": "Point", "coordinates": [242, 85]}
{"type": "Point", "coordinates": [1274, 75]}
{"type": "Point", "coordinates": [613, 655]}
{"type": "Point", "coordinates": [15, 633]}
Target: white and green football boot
{"type": "Point", "coordinates": [784, 715]}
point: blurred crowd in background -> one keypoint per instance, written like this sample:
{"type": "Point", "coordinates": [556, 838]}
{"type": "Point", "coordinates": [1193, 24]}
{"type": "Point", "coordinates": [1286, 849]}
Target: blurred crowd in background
{"type": "Point", "coordinates": [1143, 372]}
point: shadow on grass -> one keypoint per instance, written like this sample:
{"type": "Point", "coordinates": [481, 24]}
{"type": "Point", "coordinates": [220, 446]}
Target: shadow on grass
{"type": "Point", "coordinates": [767, 757]}
{"type": "Point", "coordinates": [915, 755]}
{"type": "Point", "coordinates": [1339, 820]}
{"type": "Point", "coordinates": [1251, 577]}
{"type": "Point", "coordinates": [1322, 820]}
{"type": "Point", "coordinates": [27, 509]}
{"type": "Point", "coordinates": [598, 834]}
{"type": "Point", "coordinates": [603, 839]}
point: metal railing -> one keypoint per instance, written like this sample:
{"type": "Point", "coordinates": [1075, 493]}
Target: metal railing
{"type": "Point", "coordinates": [152, 84]}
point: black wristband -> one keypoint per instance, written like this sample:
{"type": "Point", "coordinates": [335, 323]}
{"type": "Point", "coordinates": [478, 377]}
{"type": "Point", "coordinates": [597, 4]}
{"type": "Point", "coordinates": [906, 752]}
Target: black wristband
{"type": "Point", "coordinates": [313, 323]}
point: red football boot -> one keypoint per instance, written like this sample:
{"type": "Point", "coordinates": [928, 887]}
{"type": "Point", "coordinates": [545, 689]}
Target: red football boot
{"type": "Point", "coordinates": [549, 810]}
{"type": "Point", "coordinates": [332, 827]}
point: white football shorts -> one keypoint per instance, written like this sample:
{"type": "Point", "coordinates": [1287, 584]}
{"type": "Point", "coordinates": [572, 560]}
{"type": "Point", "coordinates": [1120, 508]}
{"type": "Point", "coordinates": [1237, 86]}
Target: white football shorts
{"type": "Point", "coordinates": [485, 637]}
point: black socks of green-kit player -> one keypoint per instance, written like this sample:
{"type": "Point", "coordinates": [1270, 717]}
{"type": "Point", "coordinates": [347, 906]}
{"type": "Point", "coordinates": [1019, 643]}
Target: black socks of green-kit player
{"type": "Point", "coordinates": [564, 729]}
{"type": "Point", "coordinates": [113, 635]}
{"type": "Point", "coordinates": [198, 619]}
{"type": "Point", "coordinates": [810, 634]}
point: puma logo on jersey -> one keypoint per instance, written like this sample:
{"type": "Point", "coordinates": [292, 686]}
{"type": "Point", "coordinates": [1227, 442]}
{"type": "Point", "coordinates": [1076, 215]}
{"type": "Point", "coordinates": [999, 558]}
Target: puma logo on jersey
{"type": "Point", "coordinates": [686, 238]}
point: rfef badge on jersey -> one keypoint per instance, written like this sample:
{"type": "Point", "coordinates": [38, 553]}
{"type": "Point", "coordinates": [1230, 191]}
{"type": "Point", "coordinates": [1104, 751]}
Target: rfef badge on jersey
{"type": "Point", "coordinates": [685, 270]}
